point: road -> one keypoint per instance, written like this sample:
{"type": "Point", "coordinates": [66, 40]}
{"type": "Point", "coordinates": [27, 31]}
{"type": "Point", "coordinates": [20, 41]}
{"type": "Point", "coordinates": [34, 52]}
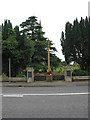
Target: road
{"type": "Point", "coordinates": [45, 102]}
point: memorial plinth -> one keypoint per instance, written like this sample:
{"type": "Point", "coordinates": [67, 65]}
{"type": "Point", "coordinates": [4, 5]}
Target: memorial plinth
{"type": "Point", "coordinates": [68, 74]}
{"type": "Point", "coordinates": [30, 75]}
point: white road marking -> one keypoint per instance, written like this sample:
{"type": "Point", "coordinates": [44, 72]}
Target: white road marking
{"type": "Point", "coordinates": [56, 94]}
{"type": "Point", "coordinates": [13, 95]}
{"type": "Point", "coordinates": [50, 94]}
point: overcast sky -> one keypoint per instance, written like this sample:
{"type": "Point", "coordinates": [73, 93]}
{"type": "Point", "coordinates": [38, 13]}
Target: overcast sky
{"type": "Point", "coordinates": [52, 13]}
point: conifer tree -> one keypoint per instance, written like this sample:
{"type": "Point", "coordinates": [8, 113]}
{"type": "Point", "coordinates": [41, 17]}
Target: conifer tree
{"type": "Point", "coordinates": [33, 29]}
{"type": "Point", "coordinates": [75, 42]}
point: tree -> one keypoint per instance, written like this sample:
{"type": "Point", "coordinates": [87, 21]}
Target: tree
{"type": "Point", "coordinates": [0, 49]}
{"type": "Point", "coordinates": [33, 29]}
{"type": "Point", "coordinates": [23, 52]}
{"type": "Point", "coordinates": [5, 29]}
{"type": "Point", "coordinates": [27, 47]}
{"type": "Point", "coordinates": [30, 27]}
{"type": "Point", "coordinates": [9, 44]}
{"type": "Point", "coordinates": [88, 58]}
{"type": "Point", "coordinates": [8, 49]}
{"type": "Point", "coordinates": [55, 62]}
{"type": "Point", "coordinates": [75, 42]}
{"type": "Point", "coordinates": [0, 32]}
{"type": "Point", "coordinates": [17, 47]}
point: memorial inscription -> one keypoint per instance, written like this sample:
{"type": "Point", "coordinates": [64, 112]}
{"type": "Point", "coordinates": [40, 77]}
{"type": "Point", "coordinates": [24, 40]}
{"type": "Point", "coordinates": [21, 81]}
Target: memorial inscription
{"type": "Point", "coordinates": [69, 73]}
{"type": "Point", "coordinates": [29, 74]}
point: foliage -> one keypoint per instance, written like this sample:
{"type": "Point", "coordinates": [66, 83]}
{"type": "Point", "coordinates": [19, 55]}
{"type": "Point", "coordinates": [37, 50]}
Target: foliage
{"type": "Point", "coordinates": [6, 28]}
{"type": "Point", "coordinates": [79, 72]}
{"type": "Point", "coordinates": [4, 75]}
{"type": "Point", "coordinates": [75, 43]}
{"type": "Point", "coordinates": [9, 44]}
{"type": "Point", "coordinates": [75, 67]}
{"type": "Point", "coordinates": [21, 74]}
{"type": "Point", "coordinates": [26, 48]}
{"type": "Point", "coordinates": [0, 50]}
{"type": "Point", "coordinates": [33, 29]}
{"type": "Point", "coordinates": [55, 61]}
{"type": "Point", "coordinates": [0, 33]}
{"type": "Point", "coordinates": [16, 47]}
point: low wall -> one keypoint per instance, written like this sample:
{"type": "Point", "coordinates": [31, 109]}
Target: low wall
{"type": "Point", "coordinates": [80, 78]}
{"type": "Point", "coordinates": [42, 77]}
{"type": "Point", "coordinates": [14, 79]}
{"type": "Point", "coordinates": [58, 77]}
{"type": "Point", "coordinates": [38, 77]}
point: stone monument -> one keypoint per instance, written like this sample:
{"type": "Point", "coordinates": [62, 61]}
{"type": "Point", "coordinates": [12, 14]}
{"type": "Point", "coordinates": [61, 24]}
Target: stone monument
{"type": "Point", "coordinates": [30, 75]}
{"type": "Point", "coordinates": [68, 74]}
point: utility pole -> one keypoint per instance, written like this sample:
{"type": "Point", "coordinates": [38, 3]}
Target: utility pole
{"type": "Point", "coordinates": [9, 67]}
{"type": "Point", "coordinates": [48, 56]}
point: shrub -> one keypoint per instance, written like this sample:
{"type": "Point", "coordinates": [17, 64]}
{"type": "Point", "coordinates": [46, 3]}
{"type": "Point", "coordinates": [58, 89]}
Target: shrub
{"type": "Point", "coordinates": [79, 72]}
{"type": "Point", "coordinates": [4, 75]}
{"type": "Point", "coordinates": [20, 76]}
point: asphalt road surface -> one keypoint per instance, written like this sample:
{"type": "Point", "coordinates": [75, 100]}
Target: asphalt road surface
{"type": "Point", "coordinates": [45, 102]}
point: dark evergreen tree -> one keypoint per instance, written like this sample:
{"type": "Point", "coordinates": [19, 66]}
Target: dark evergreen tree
{"type": "Point", "coordinates": [27, 47]}
{"type": "Point", "coordinates": [8, 49]}
{"type": "Point", "coordinates": [75, 42]}
{"type": "Point", "coordinates": [19, 48]}
{"type": "Point", "coordinates": [30, 27]}
{"type": "Point", "coordinates": [0, 49]}
{"type": "Point", "coordinates": [33, 29]}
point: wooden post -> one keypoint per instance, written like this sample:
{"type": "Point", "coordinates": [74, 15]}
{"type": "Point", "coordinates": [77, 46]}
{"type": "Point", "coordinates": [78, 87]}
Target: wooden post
{"type": "Point", "coordinates": [48, 57]}
{"type": "Point", "coordinates": [49, 76]}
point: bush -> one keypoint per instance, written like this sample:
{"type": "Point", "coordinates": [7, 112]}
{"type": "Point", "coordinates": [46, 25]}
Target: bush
{"type": "Point", "coordinates": [79, 72]}
{"type": "Point", "coordinates": [4, 75]}
{"type": "Point", "coordinates": [22, 74]}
